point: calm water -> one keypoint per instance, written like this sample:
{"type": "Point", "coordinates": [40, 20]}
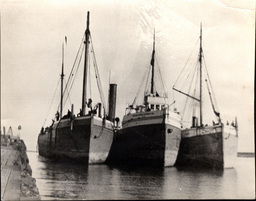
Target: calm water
{"type": "Point", "coordinates": [74, 181]}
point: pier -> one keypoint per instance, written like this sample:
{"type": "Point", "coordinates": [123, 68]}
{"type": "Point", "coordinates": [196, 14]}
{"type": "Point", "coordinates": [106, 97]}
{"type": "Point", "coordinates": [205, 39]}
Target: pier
{"type": "Point", "coordinates": [17, 182]}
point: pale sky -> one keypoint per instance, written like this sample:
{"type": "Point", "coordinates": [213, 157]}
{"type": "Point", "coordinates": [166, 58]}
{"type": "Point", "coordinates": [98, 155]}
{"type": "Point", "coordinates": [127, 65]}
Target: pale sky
{"type": "Point", "coordinates": [32, 33]}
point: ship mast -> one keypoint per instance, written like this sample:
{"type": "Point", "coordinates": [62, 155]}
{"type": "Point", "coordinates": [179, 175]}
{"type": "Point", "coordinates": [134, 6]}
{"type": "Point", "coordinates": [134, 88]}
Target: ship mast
{"type": "Point", "coordinates": [0, 47]}
{"type": "Point", "coordinates": [152, 64]}
{"type": "Point", "coordinates": [87, 33]}
{"type": "Point", "coordinates": [200, 61]}
{"type": "Point", "coordinates": [62, 77]}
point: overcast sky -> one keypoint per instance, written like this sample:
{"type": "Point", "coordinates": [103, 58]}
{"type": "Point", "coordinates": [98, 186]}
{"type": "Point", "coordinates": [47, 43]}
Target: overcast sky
{"type": "Point", "coordinates": [32, 33]}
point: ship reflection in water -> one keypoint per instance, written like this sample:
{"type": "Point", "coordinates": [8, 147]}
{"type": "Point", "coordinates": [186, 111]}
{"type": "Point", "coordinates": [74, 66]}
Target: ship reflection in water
{"type": "Point", "coordinates": [59, 180]}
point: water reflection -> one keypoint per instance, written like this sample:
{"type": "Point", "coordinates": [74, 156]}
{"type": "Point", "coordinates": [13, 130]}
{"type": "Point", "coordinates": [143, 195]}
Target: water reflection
{"type": "Point", "coordinates": [198, 183]}
{"type": "Point", "coordinates": [139, 182]}
{"type": "Point", "coordinates": [59, 180]}
{"type": "Point", "coordinates": [63, 180]}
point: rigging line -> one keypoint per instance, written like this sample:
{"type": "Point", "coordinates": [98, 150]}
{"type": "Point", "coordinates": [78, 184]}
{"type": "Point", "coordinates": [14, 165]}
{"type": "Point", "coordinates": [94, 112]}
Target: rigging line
{"type": "Point", "coordinates": [161, 78]}
{"type": "Point", "coordinates": [192, 102]}
{"type": "Point", "coordinates": [71, 85]}
{"type": "Point", "coordinates": [189, 90]}
{"type": "Point", "coordinates": [75, 73]}
{"type": "Point", "coordinates": [51, 102]}
{"type": "Point", "coordinates": [147, 80]}
{"type": "Point", "coordinates": [211, 88]}
{"type": "Point", "coordinates": [186, 62]}
{"type": "Point", "coordinates": [190, 86]}
{"type": "Point", "coordinates": [214, 110]}
{"type": "Point", "coordinates": [192, 70]}
{"type": "Point", "coordinates": [189, 112]}
{"type": "Point", "coordinates": [79, 49]}
{"type": "Point", "coordinates": [68, 96]}
{"type": "Point", "coordinates": [77, 67]}
{"type": "Point", "coordinates": [191, 81]}
{"type": "Point", "coordinates": [71, 76]}
{"type": "Point", "coordinates": [139, 88]}
{"type": "Point", "coordinates": [185, 105]}
{"type": "Point", "coordinates": [189, 75]}
{"type": "Point", "coordinates": [71, 72]}
{"type": "Point", "coordinates": [196, 80]}
{"type": "Point", "coordinates": [98, 76]}
{"type": "Point", "coordinates": [90, 80]}
{"type": "Point", "coordinates": [195, 77]}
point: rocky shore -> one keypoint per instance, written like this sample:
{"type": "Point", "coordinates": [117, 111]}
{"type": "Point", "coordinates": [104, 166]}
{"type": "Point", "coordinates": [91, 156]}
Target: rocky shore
{"type": "Point", "coordinates": [17, 182]}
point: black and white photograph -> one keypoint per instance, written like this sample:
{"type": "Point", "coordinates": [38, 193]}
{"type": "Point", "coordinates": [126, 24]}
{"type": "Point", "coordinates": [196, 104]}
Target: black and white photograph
{"type": "Point", "coordinates": [127, 99]}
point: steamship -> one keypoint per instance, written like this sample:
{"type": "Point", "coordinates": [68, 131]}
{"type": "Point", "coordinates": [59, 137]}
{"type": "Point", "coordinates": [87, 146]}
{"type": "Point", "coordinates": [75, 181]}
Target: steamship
{"type": "Point", "coordinates": [87, 136]}
{"type": "Point", "coordinates": [151, 132]}
{"type": "Point", "coordinates": [202, 144]}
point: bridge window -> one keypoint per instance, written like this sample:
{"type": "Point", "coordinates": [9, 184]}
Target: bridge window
{"type": "Point", "coordinates": [152, 106]}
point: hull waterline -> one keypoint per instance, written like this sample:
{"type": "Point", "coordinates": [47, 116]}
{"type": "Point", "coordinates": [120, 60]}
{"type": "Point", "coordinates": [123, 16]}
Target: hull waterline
{"type": "Point", "coordinates": [148, 140]}
{"type": "Point", "coordinates": [88, 141]}
{"type": "Point", "coordinates": [212, 147]}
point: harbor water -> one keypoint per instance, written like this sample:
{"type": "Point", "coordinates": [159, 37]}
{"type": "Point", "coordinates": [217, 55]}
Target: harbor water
{"type": "Point", "coordinates": [62, 180]}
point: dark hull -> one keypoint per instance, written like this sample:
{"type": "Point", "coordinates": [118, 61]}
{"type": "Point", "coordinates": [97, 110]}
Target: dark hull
{"type": "Point", "coordinates": [88, 141]}
{"type": "Point", "coordinates": [146, 145]}
{"type": "Point", "coordinates": [216, 149]}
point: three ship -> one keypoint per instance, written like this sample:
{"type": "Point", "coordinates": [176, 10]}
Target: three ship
{"type": "Point", "coordinates": [151, 133]}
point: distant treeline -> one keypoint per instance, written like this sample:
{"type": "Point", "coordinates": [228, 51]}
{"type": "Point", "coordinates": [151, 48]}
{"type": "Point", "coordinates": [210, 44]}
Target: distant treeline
{"type": "Point", "coordinates": [246, 154]}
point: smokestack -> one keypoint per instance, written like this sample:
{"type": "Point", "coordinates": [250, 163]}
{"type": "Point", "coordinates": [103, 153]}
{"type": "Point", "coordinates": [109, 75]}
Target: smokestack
{"type": "Point", "coordinates": [112, 102]}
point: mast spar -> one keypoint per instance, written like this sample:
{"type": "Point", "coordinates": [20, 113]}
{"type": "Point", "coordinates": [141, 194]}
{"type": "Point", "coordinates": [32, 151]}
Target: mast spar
{"type": "Point", "coordinates": [0, 46]}
{"type": "Point", "coordinates": [62, 77]}
{"type": "Point", "coordinates": [87, 33]}
{"type": "Point", "coordinates": [200, 61]}
{"type": "Point", "coordinates": [152, 64]}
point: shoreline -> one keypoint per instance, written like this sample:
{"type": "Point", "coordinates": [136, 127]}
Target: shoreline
{"type": "Point", "coordinates": [17, 182]}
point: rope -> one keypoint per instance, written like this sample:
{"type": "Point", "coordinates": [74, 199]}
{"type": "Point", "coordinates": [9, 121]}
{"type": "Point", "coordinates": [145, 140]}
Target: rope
{"type": "Point", "coordinates": [71, 85]}
{"type": "Point", "coordinates": [71, 77]}
{"type": "Point", "coordinates": [68, 96]}
{"type": "Point", "coordinates": [186, 62]}
{"type": "Point", "coordinates": [140, 86]}
{"type": "Point", "coordinates": [98, 77]}
{"type": "Point", "coordinates": [192, 101]}
{"type": "Point", "coordinates": [190, 88]}
{"type": "Point", "coordinates": [147, 80]}
{"type": "Point", "coordinates": [211, 88]}
{"type": "Point", "coordinates": [73, 67]}
{"type": "Point", "coordinates": [192, 70]}
{"type": "Point", "coordinates": [51, 103]}
{"type": "Point", "coordinates": [161, 78]}
{"type": "Point", "coordinates": [90, 80]}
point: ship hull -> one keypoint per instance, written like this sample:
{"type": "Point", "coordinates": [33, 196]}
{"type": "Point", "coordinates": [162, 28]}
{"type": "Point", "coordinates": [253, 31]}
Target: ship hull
{"type": "Point", "coordinates": [213, 147]}
{"type": "Point", "coordinates": [86, 139]}
{"type": "Point", "coordinates": [148, 140]}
